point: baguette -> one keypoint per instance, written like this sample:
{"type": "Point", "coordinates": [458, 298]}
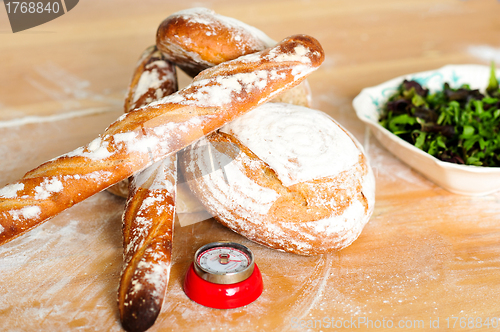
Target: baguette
{"type": "Point", "coordinates": [143, 136]}
{"type": "Point", "coordinates": [154, 77]}
{"type": "Point", "coordinates": [148, 220]}
{"type": "Point", "coordinates": [198, 38]}
{"type": "Point", "coordinates": [148, 225]}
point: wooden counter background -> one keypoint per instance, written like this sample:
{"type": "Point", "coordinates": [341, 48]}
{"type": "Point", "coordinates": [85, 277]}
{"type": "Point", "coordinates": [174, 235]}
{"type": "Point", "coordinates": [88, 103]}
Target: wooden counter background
{"type": "Point", "coordinates": [425, 255]}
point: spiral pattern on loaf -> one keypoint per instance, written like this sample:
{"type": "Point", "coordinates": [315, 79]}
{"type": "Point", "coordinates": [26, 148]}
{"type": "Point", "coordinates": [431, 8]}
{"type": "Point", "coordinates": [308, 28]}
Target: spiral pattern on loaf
{"type": "Point", "coordinates": [303, 142]}
{"type": "Point", "coordinates": [301, 183]}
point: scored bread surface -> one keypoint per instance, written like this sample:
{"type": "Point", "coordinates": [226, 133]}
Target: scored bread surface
{"type": "Point", "coordinates": [299, 182]}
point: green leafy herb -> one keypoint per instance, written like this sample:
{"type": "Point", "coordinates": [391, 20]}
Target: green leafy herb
{"type": "Point", "coordinates": [455, 125]}
{"type": "Point", "coordinates": [492, 88]}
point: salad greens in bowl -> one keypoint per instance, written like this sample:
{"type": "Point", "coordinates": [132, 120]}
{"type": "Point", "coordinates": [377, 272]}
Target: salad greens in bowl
{"type": "Point", "coordinates": [444, 123]}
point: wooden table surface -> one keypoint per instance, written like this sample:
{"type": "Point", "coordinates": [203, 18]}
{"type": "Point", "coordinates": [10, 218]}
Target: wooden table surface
{"type": "Point", "coordinates": [426, 259]}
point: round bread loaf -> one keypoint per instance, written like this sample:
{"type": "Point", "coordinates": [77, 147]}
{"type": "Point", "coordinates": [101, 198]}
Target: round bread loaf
{"type": "Point", "coordinates": [298, 181]}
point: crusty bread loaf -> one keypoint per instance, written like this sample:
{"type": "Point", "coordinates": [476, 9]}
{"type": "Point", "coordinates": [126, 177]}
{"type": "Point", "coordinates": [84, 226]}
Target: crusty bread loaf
{"type": "Point", "coordinates": [141, 137]}
{"type": "Point", "coordinates": [148, 220]}
{"type": "Point", "coordinates": [148, 225]}
{"type": "Point", "coordinates": [299, 182]}
{"type": "Point", "coordinates": [198, 38]}
{"type": "Point", "coordinates": [154, 78]}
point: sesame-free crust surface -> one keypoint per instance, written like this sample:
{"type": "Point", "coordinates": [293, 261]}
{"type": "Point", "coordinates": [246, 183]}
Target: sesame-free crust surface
{"type": "Point", "coordinates": [425, 254]}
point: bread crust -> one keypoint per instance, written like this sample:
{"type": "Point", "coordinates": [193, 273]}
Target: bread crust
{"type": "Point", "coordinates": [148, 226]}
{"type": "Point", "coordinates": [281, 210]}
{"type": "Point", "coordinates": [148, 219]}
{"type": "Point", "coordinates": [154, 78]}
{"type": "Point", "coordinates": [198, 38]}
{"type": "Point", "coordinates": [143, 136]}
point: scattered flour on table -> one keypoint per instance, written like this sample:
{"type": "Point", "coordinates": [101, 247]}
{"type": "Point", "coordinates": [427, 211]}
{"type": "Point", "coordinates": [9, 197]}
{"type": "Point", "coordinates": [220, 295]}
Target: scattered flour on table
{"type": "Point", "coordinates": [65, 87]}
{"type": "Point", "coordinates": [64, 270]}
{"type": "Point", "coordinates": [53, 118]}
{"type": "Point", "coordinates": [485, 52]}
{"type": "Point", "coordinates": [292, 285]}
{"type": "Point", "coordinates": [387, 165]}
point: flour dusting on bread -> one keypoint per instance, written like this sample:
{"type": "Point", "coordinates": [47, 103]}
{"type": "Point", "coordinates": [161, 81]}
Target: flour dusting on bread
{"type": "Point", "coordinates": [298, 155]}
{"type": "Point", "coordinates": [303, 183]}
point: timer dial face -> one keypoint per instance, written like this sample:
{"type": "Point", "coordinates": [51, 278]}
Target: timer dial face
{"type": "Point", "coordinates": [224, 262]}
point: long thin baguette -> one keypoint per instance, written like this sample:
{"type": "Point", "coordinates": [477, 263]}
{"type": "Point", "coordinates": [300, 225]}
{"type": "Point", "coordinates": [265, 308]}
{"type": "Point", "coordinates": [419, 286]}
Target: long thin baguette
{"type": "Point", "coordinates": [216, 96]}
{"type": "Point", "coordinates": [154, 78]}
{"type": "Point", "coordinates": [148, 220]}
{"type": "Point", "coordinates": [198, 38]}
{"type": "Point", "coordinates": [148, 225]}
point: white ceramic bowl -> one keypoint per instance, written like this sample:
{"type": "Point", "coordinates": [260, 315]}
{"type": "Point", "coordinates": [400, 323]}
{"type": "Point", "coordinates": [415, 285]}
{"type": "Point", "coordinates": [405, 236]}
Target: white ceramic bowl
{"type": "Point", "coordinates": [460, 179]}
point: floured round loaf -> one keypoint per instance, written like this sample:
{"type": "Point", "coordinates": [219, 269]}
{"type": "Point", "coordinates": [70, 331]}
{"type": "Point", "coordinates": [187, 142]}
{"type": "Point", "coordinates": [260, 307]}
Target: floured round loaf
{"type": "Point", "coordinates": [298, 181]}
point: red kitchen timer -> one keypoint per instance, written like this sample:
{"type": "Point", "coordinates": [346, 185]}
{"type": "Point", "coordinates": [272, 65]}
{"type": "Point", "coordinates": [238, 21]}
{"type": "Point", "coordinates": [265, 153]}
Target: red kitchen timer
{"type": "Point", "coordinates": [223, 276]}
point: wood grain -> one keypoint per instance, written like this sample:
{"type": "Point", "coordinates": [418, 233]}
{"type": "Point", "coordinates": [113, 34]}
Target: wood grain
{"type": "Point", "coordinates": [425, 254]}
